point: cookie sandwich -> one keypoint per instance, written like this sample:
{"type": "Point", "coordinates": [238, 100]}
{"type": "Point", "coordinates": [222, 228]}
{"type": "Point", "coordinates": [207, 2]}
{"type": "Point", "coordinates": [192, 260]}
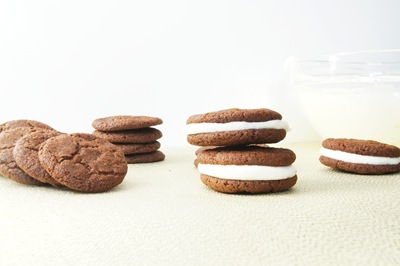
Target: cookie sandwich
{"type": "Point", "coordinates": [247, 169]}
{"type": "Point", "coordinates": [360, 156]}
{"type": "Point", "coordinates": [236, 127]}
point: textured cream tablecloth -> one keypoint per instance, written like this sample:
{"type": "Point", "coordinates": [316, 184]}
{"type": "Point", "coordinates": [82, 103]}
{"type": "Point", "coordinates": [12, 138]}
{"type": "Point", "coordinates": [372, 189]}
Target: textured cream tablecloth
{"type": "Point", "coordinates": [163, 215]}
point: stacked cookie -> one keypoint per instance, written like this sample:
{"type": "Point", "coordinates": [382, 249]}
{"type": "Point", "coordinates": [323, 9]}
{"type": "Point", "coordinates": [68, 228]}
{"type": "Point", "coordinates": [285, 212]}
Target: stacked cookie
{"type": "Point", "coordinates": [33, 153]}
{"type": "Point", "coordinates": [234, 157]}
{"type": "Point", "coordinates": [134, 135]}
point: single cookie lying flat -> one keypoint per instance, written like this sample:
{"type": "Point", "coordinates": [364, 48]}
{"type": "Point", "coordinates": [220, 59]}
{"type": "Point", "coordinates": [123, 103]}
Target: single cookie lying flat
{"type": "Point", "coordinates": [235, 127]}
{"type": "Point", "coordinates": [148, 157]}
{"type": "Point", "coordinates": [83, 162]}
{"type": "Point", "coordinates": [125, 122]}
{"type": "Point", "coordinates": [360, 156]}
{"type": "Point", "coordinates": [27, 158]}
{"type": "Point", "coordinates": [143, 135]}
{"type": "Point", "coordinates": [135, 148]}
{"type": "Point", "coordinates": [247, 169]}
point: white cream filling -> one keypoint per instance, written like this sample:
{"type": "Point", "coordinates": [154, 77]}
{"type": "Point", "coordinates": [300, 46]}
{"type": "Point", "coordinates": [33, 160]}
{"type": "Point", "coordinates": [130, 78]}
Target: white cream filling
{"type": "Point", "coordinates": [197, 128]}
{"type": "Point", "coordinates": [357, 158]}
{"type": "Point", "coordinates": [247, 172]}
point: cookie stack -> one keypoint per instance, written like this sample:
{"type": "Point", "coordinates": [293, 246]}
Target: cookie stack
{"type": "Point", "coordinates": [234, 157]}
{"type": "Point", "coordinates": [33, 153]}
{"type": "Point", "coordinates": [134, 135]}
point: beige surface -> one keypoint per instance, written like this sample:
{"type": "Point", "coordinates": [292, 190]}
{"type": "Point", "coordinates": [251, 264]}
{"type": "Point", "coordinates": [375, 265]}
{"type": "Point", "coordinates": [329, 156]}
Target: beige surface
{"type": "Point", "coordinates": [163, 215]}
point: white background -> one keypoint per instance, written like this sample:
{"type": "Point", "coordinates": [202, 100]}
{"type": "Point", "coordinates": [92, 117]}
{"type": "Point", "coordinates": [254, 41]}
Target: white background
{"type": "Point", "coordinates": [66, 63]}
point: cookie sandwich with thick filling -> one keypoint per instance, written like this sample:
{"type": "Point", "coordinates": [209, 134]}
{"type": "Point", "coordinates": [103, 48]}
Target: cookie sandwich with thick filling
{"type": "Point", "coordinates": [235, 127]}
{"type": "Point", "coordinates": [247, 169]}
{"type": "Point", "coordinates": [360, 156]}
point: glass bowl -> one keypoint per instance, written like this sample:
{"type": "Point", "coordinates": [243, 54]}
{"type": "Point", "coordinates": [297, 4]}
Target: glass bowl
{"type": "Point", "coordinates": [350, 95]}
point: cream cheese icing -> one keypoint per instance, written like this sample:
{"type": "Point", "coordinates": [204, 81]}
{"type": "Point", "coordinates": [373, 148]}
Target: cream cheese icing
{"type": "Point", "coordinates": [197, 128]}
{"type": "Point", "coordinates": [247, 172]}
{"type": "Point", "coordinates": [357, 158]}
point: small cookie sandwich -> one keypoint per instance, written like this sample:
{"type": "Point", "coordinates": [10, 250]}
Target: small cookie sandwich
{"type": "Point", "coordinates": [83, 162]}
{"type": "Point", "coordinates": [247, 169]}
{"type": "Point", "coordinates": [360, 156]}
{"type": "Point", "coordinates": [235, 126]}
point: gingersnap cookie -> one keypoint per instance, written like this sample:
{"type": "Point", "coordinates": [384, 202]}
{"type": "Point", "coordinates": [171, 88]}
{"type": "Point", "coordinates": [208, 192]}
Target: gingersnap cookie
{"type": "Point", "coordinates": [83, 162]}
{"type": "Point", "coordinates": [142, 135]}
{"type": "Point", "coordinates": [23, 123]}
{"type": "Point", "coordinates": [26, 155]}
{"type": "Point", "coordinates": [149, 157]}
{"type": "Point", "coordinates": [125, 122]}
{"type": "Point", "coordinates": [247, 169]}
{"type": "Point", "coordinates": [135, 148]}
{"type": "Point", "coordinates": [360, 156]}
{"type": "Point", "coordinates": [235, 127]}
{"type": "Point", "coordinates": [8, 165]}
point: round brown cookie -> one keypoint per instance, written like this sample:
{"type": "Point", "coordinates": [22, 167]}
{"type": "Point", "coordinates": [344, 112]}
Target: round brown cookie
{"type": "Point", "coordinates": [83, 162]}
{"type": "Point", "coordinates": [235, 114]}
{"type": "Point", "coordinates": [363, 148]}
{"type": "Point", "coordinates": [149, 157]}
{"type": "Point", "coordinates": [143, 135]}
{"type": "Point", "coordinates": [27, 158]}
{"type": "Point", "coordinates": [247, 187]}
{"type": "Point", "coordinates": [135, 148]}
{"type": "Point", "coordinates": [201, 149]}
{"type": "Point", "coordinates": [247, 155]}
{"type": "Point", "coordinates": [367, 169]}
{"type": "Point", "coordinates": [125, 122]}
{"type": "Point", "coordinates": [234, 137]}
{"type": "Point", "coordinates": [23, 123]}
{"type": "Point", "coordinates": [8, 165]}
{"type": "Point", "coordinates": [252, 155]}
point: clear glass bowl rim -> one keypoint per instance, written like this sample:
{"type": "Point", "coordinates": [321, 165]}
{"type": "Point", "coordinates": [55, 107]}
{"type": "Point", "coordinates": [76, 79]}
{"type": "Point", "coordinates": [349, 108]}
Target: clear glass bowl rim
{"type": "Point", "coordinates": [335, 58]}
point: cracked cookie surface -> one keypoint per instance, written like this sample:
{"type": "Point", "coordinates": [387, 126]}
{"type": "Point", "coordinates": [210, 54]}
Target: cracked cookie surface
{"type": "Point", "coordinates": [8, 165]}
{"type": "Point", "coordinates": [26, 155]}
{"type": "Point", "coordinates": [83, 162]}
